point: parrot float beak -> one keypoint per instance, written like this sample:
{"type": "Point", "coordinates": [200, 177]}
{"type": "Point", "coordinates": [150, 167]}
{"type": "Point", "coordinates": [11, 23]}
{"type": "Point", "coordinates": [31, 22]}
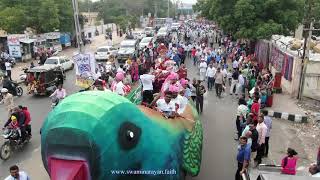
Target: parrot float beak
{"type": "Point", "coordinates": [62, 169]}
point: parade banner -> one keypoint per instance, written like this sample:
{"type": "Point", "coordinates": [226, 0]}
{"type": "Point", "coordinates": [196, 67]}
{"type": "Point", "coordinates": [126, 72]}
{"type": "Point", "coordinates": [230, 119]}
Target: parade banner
{"type": "Point", "coordinates": [85, 69]}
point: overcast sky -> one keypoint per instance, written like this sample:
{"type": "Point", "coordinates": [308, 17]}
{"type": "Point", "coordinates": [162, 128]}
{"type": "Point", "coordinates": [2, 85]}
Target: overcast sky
{"type": "Point", "coordinates": [189, 1]}
{"type": "Point", "coordinates": [184, 1]}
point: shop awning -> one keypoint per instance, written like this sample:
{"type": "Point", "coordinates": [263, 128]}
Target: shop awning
{"type": "Point", "coordinates": [27, 41]}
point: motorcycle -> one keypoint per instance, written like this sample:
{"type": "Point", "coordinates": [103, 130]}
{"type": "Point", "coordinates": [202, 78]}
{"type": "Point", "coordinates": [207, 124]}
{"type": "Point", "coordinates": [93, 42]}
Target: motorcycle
{"type": "Point", "coordinates": [54, 102]}
{"type": "Point", "coordinates": [19, 91]}
{"type": "Point", "coordinates": [12, 142]}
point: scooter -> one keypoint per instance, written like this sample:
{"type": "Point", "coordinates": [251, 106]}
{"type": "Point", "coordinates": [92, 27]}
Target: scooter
{"type": "Point", "coordinates": [19, 91]}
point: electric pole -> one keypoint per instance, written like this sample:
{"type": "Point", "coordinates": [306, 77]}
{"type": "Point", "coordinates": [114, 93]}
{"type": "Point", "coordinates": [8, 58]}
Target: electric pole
{"type": "Point", "coordinates": [168, 8]}
{"type": "Point", "coordinates": [155, 9]}
{"type": "Point", "coordinates": [77, 24]}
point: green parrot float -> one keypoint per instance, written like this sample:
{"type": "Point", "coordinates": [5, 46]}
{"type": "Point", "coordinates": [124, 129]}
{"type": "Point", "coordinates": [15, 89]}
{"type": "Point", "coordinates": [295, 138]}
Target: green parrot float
{"type": "Point", "coordinates": [99, 135]}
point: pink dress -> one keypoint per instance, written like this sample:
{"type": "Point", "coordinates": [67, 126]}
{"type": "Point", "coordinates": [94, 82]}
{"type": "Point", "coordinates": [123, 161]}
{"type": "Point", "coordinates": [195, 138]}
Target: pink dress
{"type": "Point", "coordinates": [135, 71]}
{"type": "Point", "coordinates": [290, 167]}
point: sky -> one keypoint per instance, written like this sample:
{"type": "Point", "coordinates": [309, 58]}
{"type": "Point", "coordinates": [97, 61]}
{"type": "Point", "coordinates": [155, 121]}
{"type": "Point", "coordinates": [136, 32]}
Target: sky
{"type": "Point", "coordinates": [183, 1]}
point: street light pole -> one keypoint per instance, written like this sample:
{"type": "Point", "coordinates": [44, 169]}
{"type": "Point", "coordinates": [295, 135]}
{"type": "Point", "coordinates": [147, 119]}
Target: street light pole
{"type": "Point", "coordinates": [77, 24]}
{"type": "Point", "coordinates": [168, 8]}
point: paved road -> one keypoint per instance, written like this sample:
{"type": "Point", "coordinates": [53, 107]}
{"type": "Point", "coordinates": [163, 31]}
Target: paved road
{"type": "Point", "coordinates": [219, 148]}
{"type": "Point", "coordinates": [30, 158]}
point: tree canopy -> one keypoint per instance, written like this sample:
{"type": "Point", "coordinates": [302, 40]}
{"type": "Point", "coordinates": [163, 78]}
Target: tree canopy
{"type": "Point", "coordinates": [41, 15]}
{"type": "Point", "coordinates": [123, 12]}
{"type": "Point", "coordinates": [253, 19]}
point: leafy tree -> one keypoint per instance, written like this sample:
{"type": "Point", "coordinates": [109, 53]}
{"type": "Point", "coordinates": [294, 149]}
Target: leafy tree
{"type": "Point", "coordinates": [48, 16]}
{"type": "Point", "coordinates": [12, 20]}
{"type": "Point", "coordinates": [253, 19]}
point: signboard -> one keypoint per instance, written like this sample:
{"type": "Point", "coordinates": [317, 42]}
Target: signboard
{"type": "Point", "coordinates": [14, 44]}
{"type": "Point", "coordinates": [85, 69]}
{"type": "Point", "coordinates": [52, 35]}
{"type": "Point", "coordinates": [14, 39]}
{"type": "Point", "coordinates": [15, 51]}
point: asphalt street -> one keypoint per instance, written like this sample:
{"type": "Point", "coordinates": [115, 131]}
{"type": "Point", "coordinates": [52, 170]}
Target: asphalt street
{"type": "Point", "coordinates": [218, 149]}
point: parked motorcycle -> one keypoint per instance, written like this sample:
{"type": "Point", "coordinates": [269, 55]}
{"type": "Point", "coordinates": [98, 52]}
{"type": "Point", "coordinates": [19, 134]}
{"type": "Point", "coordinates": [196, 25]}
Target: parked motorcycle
{"type": "Point", "coordinates": [12, 142]}
{"type": "Point", "coordinates": [19, 91]}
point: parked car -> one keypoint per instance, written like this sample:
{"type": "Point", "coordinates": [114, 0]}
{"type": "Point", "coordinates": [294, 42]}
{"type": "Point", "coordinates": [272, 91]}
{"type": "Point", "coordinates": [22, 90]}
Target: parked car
{"type": "Point", "coordinates": [138, 35]}
{"type": "Point", "coordinates": [104, 53]}
{"type": "Point", "coordinates": [175, 26]}
{"type": "Point", "coordinates": [145, 42]}
{"type": "Point", "coordinates": [148, 31]}
{"type": "Point", "coordinates": [162, 32]}
{"type": "Point", "coordinates": [59, 61]}
{"type": "Point", "coordinates": [128, 48]}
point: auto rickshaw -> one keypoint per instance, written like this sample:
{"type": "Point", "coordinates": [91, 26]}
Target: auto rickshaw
{"type": "Point", "coordinates": [43, 80]}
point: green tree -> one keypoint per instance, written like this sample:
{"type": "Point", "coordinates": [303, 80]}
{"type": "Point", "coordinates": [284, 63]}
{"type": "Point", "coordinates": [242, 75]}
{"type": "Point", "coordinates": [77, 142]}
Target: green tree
{"type": "Point", "coordinates": [48, 16]}
{"type": "Point", "coordinates": [12, 20]}
{"type": "Point", "coordinates": [253, 19]}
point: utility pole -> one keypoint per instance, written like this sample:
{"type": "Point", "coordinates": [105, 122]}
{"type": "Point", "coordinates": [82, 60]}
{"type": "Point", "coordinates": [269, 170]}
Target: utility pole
{"type": "Point", "coordinates": [155, 9]}
{"type": "Point", "coordinates": [305, 60]}
{"type": "Point", "coordinates": [168, 8]}
{"type": "Point", "coordinates": [306, 46]}
{"type": "Point", "coordinates": [77, 24]}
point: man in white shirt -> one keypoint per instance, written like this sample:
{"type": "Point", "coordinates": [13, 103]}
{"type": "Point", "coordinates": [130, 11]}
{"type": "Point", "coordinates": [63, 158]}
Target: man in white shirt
{"type": "Point", "coordinates": [211, 72]}
{"type": "Point", "coordinates": [8, 69]}
{"type": "Point", "coordinates": [241, 84]}
{"type": "Point", "coordinates": [147, 79]}
{"type": "Point", "coordinates": [178, 100]}
{"type": "Point", "coordinates": [59, 93]}
{"type": "Point", "coordinates": [262, 131]}
{"type": "Point", "coordinates": [166, 106]}
{"type": "Point", "coordinates": [15, 174]}
{"type": "Point", "coordinates": [203, 69]}
{"type": "Point", "coordinates": [118, 88]}
{"type": "Point", "coordinates": [235, 65]}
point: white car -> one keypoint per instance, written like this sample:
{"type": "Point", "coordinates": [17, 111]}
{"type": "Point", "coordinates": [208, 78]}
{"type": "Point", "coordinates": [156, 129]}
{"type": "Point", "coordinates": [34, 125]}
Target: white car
{"type": "Point", "coordinates": [145, 42]}
{"type": "Point", "coordinates": [59, 61]}
{"type": "Point", "coordinates": [162, 32]}
{"type": "Point", "coordinates": [104, 52]}
{"type": "Point", "coordinates": [175, 26]}
{"type": "Point", "coordinates": [139, 35]}
{"type": "Point", "coordinates": [148, 31]}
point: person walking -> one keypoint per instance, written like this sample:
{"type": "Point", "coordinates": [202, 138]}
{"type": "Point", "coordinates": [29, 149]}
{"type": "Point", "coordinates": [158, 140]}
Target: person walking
{"type": "Point", "coordinates": [219, 81]}
{"type": "Point", "coordinates": [211, 71]}
{"type": "Point", "coordinates": [243, 157]}
{"type": "Point", "coordinates": [8, 69]}
{"type": "Point", "coordinates": [234, 82]}
{"type": "Point", "coordinates": [193, 86]}
{"type": "Point", "coordinates": [200, 90]}
{"type": "Point", "coordinates": [7, 100]}
{"type": "Point", "coordinates": [268, 122]}
{"type": "Point", "coordinates": [241, 112]}
{"type": "Point", "coordinates": [203, 69]}
{"type": "Point", "coordinates": [262, 130]}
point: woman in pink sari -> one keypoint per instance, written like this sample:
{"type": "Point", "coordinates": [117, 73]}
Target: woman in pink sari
{"type": "Point", "coordinates": [134, 71]}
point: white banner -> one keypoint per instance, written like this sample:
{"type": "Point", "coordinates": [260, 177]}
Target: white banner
{"type": "Point", "coordinates": [85, 69]}
{"type": "Point", "coordinates": [14, 39]}
{"type": "Point", "coordinates": [15, 51]}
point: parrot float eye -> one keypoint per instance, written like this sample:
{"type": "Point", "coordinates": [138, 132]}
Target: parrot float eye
{"type": "Point", "coordinates": [129, 135]}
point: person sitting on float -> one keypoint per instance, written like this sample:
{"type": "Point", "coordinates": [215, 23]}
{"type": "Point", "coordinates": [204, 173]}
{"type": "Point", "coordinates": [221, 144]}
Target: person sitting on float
{"type": "Point", "coordinates": [165, 105]}
{"type": "Point", "coordinates": [118, 86]}
{"type": "Point", "coordinates": [178, 100]}
{"type": "Point", "coordinates": [172, 79]}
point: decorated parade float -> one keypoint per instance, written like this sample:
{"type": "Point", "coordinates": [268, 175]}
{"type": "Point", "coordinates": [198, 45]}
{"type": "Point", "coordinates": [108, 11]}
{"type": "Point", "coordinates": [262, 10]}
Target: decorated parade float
{"type": "Point", "coordinates": [98, 135]}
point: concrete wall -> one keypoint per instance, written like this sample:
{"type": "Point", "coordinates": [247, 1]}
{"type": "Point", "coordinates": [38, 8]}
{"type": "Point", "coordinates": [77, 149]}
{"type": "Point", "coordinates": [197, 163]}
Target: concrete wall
{"type": "Point", "coordinates": [101, 29]}
{"type": "Point", "coordinates": [312, 81]}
